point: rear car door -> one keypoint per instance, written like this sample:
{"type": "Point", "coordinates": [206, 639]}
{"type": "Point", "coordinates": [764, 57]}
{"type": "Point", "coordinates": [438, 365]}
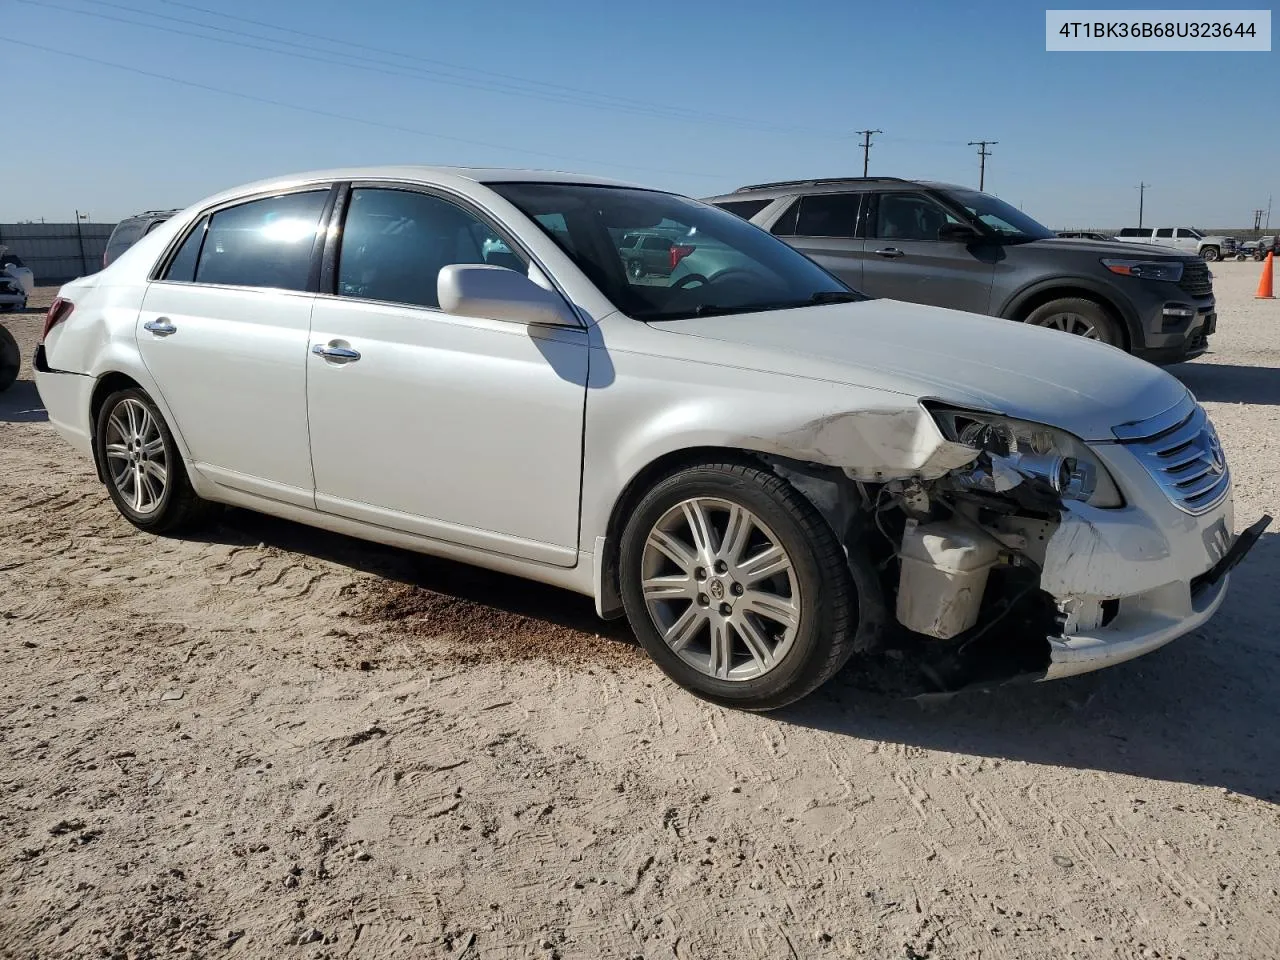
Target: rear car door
{"type": "Point", "coordinates": [905, 260]}
{"type": "Point", "coordinates": [824, 227]}
{"type": "Point", "coordinates": [223, 332]}
{"type": "Point", "coordinates": [461, 429]}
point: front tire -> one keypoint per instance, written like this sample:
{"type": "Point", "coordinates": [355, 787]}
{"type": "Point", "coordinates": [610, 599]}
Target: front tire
{"type": "Point", "coordinates": [146, 478]}
{"type": "Point", "coordinates": [1210, 254]}
{"type": "Point", "coordinates": [737, 587]}
{"type": "Point", "coordinates": [1078, 316]}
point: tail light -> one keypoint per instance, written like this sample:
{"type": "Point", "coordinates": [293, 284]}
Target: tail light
{"type": "Point", "coordinates": [678, 252]}
{"type": "Point", "coordinates": [59, 310]}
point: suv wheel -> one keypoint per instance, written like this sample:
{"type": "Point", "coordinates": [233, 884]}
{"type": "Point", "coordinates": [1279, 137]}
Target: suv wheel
{"type": "Point", "coordinates": [738, 588]}
{"type": "Point", "coordinates": [1209, 253]}
{"type": "Point", "coordinates": [10, 359]}
{"type": "Point", "coordinates": [1084, 318]}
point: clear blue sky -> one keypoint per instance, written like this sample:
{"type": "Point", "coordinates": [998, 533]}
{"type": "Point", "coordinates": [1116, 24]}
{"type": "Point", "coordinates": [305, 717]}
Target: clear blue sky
{"type": "Point", "coordinates": [699, 96]}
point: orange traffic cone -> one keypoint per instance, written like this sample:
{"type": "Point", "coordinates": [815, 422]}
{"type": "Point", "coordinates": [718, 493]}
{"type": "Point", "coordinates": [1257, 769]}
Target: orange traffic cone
{"type": "Point", "coordinates": [1264, 283]}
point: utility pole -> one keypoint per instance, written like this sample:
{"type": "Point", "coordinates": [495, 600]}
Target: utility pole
{"type": "Point", "coordinates": [1257, 220]}
{"type": "Point", "coordinates": [1268, 211]}
{"type": "Point", "coordinates": [866, 147]}
{"type": "Point", "coordinates": [84, 263]}
{"type": "Point", "coordinates": [1142, 192]}
{"type": "Point", "coordinates": [983, 153]}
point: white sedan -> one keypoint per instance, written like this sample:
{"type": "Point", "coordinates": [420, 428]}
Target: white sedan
{"type": "Point", "coordinates": [765, 470]}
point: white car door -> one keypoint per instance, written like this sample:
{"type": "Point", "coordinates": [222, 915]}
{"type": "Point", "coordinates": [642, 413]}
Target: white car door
{"type": "Point", "coordinates": [1187, 240]}
{"type": "Point", "coordinates": [460, 429]}
{"type": "Point", "coordinates": [224, 334]}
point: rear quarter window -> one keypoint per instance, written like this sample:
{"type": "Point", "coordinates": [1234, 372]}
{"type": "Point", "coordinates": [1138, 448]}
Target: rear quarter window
{"type": "Point", "coordinates": [746, 209]}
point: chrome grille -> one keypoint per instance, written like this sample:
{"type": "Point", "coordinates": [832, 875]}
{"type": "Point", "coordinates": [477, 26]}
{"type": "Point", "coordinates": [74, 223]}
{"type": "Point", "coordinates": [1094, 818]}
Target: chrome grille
{"type": "Point", "coordinates": [1181, 450]}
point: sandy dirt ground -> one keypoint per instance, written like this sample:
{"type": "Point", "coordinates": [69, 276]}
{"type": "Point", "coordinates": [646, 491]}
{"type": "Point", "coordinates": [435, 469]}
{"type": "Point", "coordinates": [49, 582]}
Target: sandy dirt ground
{"type": "Point", "coordinates": [274, 742]}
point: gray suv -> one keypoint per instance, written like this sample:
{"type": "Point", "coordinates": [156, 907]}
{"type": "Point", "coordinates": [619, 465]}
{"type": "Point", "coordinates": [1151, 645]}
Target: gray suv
{"type": "Point", "coordinates": [951, 246]}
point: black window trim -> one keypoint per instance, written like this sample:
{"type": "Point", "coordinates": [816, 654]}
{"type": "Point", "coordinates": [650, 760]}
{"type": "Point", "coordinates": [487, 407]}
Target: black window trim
{"type": "Point", "coordinates": [157, 274]}
{"type": "Point", "coordinates": [328, 278]}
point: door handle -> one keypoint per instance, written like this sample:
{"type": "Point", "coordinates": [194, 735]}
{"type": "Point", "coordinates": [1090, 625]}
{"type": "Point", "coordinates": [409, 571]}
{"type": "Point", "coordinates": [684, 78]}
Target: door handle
{"type": "Point", "coordinates": [891, 253]}
{"type": "Point", "coordinates": [160, 326]}
{"type": "Point", "coordinates": [335, 354]}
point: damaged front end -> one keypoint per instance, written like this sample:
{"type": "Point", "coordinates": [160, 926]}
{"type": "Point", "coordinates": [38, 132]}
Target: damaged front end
{"type": "Point", "coordinates": [1027, 562]}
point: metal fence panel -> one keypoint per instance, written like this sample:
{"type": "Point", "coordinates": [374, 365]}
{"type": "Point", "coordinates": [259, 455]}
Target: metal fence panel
{"type": "Point", "coordinates": [57, 252]}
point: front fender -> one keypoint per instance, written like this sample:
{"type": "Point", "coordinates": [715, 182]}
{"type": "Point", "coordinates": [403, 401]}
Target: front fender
{"type": "Point", "coordinates": [657, 407]}
{"type": "Point", "coordinates": [1015, 304]}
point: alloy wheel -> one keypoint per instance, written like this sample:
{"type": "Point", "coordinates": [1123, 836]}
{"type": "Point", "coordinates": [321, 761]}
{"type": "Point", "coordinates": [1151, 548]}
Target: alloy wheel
{"type": "Point", "coordinates": [721, 589]}
{"type": "Point", "coordinates": [137, 461]}
{"type": "Point", "coordinates": [1072, 323]}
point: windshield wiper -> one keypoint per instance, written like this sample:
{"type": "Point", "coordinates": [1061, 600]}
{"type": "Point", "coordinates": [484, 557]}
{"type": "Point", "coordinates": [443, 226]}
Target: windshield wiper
{"type": "Point", "coordinates": [833, 296]}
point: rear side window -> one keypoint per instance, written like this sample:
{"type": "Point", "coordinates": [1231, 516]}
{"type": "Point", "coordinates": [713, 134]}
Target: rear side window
{"type": "Point", "coordinates": [396, 242]}
{"type": "Point", "coordinates": [746, 209]}
{"type": "Point", "coordinates": [1134, 232]}
{"type": "Point", "coordinates": [182, 268]}
{"type": "Point", "coordinates": [657, 243]}
{"type": "Point", "coordinates": [785, 225]}
{"type": "Point", "coordinates": [828, 215]}
{"type": "Point", "coordinates": [1165, 233]}
{"type": "Point", "coordinates": [263, 243]}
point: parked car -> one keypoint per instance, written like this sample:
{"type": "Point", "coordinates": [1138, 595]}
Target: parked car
{"type": "Point", "coordinates": [652, 254]}
{"type": "Point", "coordinates": [761, 467]}
{"type": "Point", "coordinates": [16, 281]}
{"type": "Point", "coordinates": [1083, 235]}
{"type": "Point", "coordinates": [132, 229]}
{"type": "Point", "coordinates": [1187, 239]}
{"type": "Point", "coordinates": [950, 246]}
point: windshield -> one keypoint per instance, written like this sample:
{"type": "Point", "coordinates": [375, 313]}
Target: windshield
{"type": "Point", "coordinates": [1000, 217]}
{"type": "Point", "coordinates": [658, 256]}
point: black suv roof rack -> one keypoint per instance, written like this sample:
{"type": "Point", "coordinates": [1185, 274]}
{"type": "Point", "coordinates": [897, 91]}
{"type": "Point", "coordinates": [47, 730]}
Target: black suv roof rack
{"type": "Point", "coordinates": [819, 182]}
{"type": "Point", "coordinates": [151, 213]}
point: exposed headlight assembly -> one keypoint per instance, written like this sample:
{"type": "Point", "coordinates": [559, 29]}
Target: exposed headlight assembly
{"type": "Point", "coordinates": [1170, 270]}
{"type": "Point", "coordinates": [1025, 449]}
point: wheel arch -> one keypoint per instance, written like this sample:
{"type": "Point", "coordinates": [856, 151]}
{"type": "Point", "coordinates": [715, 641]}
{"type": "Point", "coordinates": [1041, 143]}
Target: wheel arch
{"type": "Point", "coordinates": [120, 377]}
{"type": "Point", "coordinates": [1029, 298]}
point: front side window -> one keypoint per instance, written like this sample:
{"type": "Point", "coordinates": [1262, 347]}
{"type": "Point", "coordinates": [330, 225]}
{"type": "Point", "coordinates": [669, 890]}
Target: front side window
{"type": "Point", "coordinates": [828, 215]}
{"type": "Point", "coordinates": [1165, 233]}
{"type": "Point", "coordinates": [909, 216]}
{"type": "Point", "coordinates": [1185, 234]}
{"type": "Point", "coordinates": [263, 243]}
{"type": "Point", "coordinates": [1003, 219]}
{"type": "Point", "coordinates": [396, 242]}
{"type": "Point", "coordinates": [709, 261]}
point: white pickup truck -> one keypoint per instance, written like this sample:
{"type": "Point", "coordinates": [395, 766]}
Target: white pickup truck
{"type": "Point", "coordinates": [1181, 238]}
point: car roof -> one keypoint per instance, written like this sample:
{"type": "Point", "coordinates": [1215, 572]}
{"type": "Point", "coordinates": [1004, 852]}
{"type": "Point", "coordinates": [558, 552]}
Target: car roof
{"type": "Point", "coordinates": [781, 188]}
{"type": "Point", "coordinates": [412, 173]}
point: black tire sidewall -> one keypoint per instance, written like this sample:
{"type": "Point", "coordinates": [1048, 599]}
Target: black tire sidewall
{"type": "Point", "coordinates": [810, 650]}
{"type": "Point", "coordinates": [162, 517]}
{"type": "Point", "coordinates": [10, 359]}
{"type": "Point", "coordinates": [1102, 320]}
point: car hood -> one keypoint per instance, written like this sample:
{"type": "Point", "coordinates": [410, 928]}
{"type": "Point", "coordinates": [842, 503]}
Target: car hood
{"type": "Point", "coordinates": [1113, 248]}
{"type": "Point", "coordinates": [1078, 385]}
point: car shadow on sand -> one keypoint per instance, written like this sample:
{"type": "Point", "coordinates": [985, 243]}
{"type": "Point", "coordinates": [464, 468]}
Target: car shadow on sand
{"type": "Point", "coordinates": [1229, 383]}
{"type": "Point", "coordinates": [1203, 710]}
{"type": "Point", "coordinates": [21, 404]}
{"type": "Point", "coordinates": [473, 585]}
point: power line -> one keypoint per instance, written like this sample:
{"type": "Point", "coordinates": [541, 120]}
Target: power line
{"type": "Point", "coordinates": [983, 153]}
{"type": "Point", "coordinates": [451, 75]}
{"type": "Point", "coordinates": [346, 118]}
{"type": "Point", "coordinates": [866, 147]}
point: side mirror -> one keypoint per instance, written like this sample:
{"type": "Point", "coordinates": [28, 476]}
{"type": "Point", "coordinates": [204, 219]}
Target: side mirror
{"type": "Point", "coordinates": [498, 293]}
{"type": "Point", "coordinates": [958, 233]}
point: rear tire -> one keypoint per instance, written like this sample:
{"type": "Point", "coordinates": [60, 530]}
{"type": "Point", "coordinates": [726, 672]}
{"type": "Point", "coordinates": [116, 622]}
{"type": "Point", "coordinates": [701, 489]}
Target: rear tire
{"type": "Point", "coordinates": [1210, 254]}
{"type": "Point", "coordinates": [10, 359]}
{"type": "Point", "coordinates": [787, 568]}
{"type": "Point", "coordinates": [146, 478]}
{"type": "Point", "coordinates": [1078, 316]}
